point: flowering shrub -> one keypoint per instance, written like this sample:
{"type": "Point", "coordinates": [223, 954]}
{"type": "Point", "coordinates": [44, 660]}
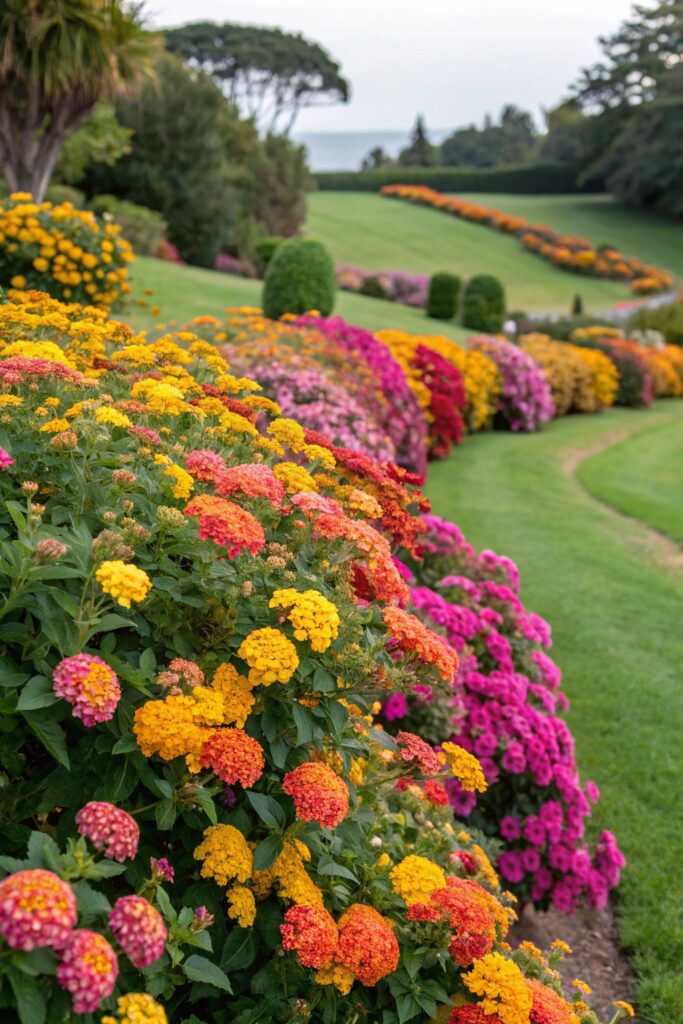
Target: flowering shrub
{"type": "Point", "coordinates": [565, 251]}
{"type": "Point", "coordinates": [218, 836]}
{"type": "Point", "coordinates": [581, 379]}
{"type": "Point", "coordinates": [504, 709]}
{"type": "Point", "coordinates": [525, 401]}
{"type": "Point", "coordinates": [66, 252]}
{"type": "Point", "coordinates": [392, 285]}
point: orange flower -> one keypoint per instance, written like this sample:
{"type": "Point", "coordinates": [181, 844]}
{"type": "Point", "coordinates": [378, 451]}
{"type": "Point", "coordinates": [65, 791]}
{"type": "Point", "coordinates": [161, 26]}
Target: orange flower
{"type": "Point", "coordinates": [409, 634]}
{"type": "Point", "coordinates": [367, 945]}
{"type": "Point", "coordinates": [318, 794]}
{"type": "Point", "coordinates": [465, 905]}
{"type": "Point", "coordinates": [548, 1007]}
{"type": "Point", "coordinates": [226, 524]}
{"type": "Point", "coordinates": [311, 933]}
{"type": "Point", "coordinates": [233, 756]}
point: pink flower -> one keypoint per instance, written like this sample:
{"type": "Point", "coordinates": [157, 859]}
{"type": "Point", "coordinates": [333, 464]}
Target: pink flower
{"type": "Point", "coordinates": [5, 459]}
{"type": "Point", "coordinates": [510, 828]}
{"type": "Point", "coordinates": [139, 929]}
{"type": "Point", "coordinates": [90, 685]}
{"type": "Point", "coordinates": [36, 909]}
{"type": "Point", "coordinates": [162, 869]}
{"type": "Point", "coordinates": [88, 970]}
{"type": "Point", "coordinates": [109, 829]}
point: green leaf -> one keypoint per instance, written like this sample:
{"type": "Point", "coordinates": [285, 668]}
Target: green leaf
{"type": "Point", "coordinates": [337, 715]}
{"type": "Point", "coordinates": [42, 850]}
{"type": "Point", "coordinates": [38, 693]}
{"type": "Point", "coordinates": [407, 1007]}
{"type": "Point", "coordinates": [90, 901]}
{"type": "Point", "coordinates": [239, 950]}
{"type": "Point", "coordinates": [279, 751]}
{"type": "Point", "coordinates": [165, 905]}
{"type": "Point", "coordinates": [268, 809]}
{"type": "Point", "coordinates": [50, 735]}
{"type": "Point", "coordinates": [330, 867]}
{"type": "Point", "coordinates": [18, 517]}
{"type": "Point", "coordinates": [324, 681]}
{"type": "Point", "coordinates": [305, 725]}
{"type": "Point", "coordinates": [148, 662]}
{"type": "Point", "coordinates": [166, 813]}
{"type": "Point", "coordinates": [109, 622]}
{"type": "Point", "coordinates": [198, 968]}
{"type": "Point", "coordinates": [207, 805]}
{"type": "Point", "coordinates": [29, 996]}
{"type": "Point", "coordinates": [266, 852]}
{"type": "Point", "coordinates": [126, 745]}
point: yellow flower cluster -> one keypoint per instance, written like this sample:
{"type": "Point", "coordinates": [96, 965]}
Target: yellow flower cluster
{"type": "Point", "coordinates": [289, 877]}
{"type": "Point", "coordinates": [314, 617]}
{"type": "Point", "coordinates": [179, 724]}
{"type": "Point", "coordinates": [416, 878]}
{"type": "Point", "coordinates": [238, 700]}
{"type": "Point", "coordinates": [288, 432]}
{"type": "Point", "coordinates": [61, 250]}
{"type": "Point", "coordinates": [355, 499]}
{"type": "Point", "coordinates": [271, 657]}
{"type": "Point", "coordinates": [294, 478]}
{"type": "Point", "coordinates": [162, 398]}
{"type": "Point", "coordinates": [465, 767]}
{"type": "Point", "coordinates": [501, 988]}
{"type": "Point", "coordinates": [241, 905]}
{"type": "Point", "coordinates": [580, 379]}
{"type": "Point", "coordinates": [105, 414]}
{"type": "Point", "coordinates": [316, 453]}
{"type": "Point", "coordinates": [336, 974]}
{"type": "Point", "coordinates": [137, 1008]}
{"type": "Point", "coordinates": [225, 855]}
{"type": "Point", "coordinates": [123, 582]}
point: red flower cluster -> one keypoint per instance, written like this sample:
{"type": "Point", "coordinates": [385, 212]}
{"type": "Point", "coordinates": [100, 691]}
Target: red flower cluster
{"type": "Point", "coordinates": [466, 907]}
{"type": "Point", "coordinates": [367, 945]}
{"type": "Point", "coordinates": [547, 1007]}
{"type": "Point", "coordinates": [205, 465]}
{"type": "Point", "coordinates": [233, 756]}
{"type": "Point", "coordinates": [16, 368]}
{"type": "Point", "coordinates": [226, 524]}
{"type": "Point", "coordinates": [378, 578]}
{"type": "Point", "coordinates": [436, 793]}
{"type": "Point", "coordinates": [409, 634]}
{"type": "Point", "coordinates": [414, 748]}
{"type": "Point", "coordinates": [251, 481]}
{"type": "Point", "coordinates": [472, 1013]}
{"type": "Point", "coordinates": [139, 929]}
{"type": "Point", "coordinates": [318, 794]}
{"type": "Point", "coordinates": [88, 970]}
{"type": "Point", "coordinates": [447, 398]}
{"type": "Point", "coordinates": [312, 933]}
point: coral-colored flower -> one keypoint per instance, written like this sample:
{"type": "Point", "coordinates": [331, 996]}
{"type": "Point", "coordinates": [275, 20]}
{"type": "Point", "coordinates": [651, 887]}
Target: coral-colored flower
{"type": "Point", "coordinates": [318, 794]}
{"type": "Point", "coordinates": [250, 480]}
{"type": "Point", "coordinates": [472, 1013]}
{"type": "Point", "coordinates": [139, 929]}
{"type": "Point", "coordinates": [416, 878]}
{"type": "Point", "coordinates": [367, 945]}
{"type": "Point", "coordinates": [414, 748]}
{"type": "Point", "coordinates": [233, 756]}
{"type": "Point", "coordinates": [469, 911]}
{"type": "Point", "coordinates": [88, 970]}
{"type": "Point", "coordinates": [410, 635]}
{"type": "Point", "coordinates": [36, 909]}
{"type": "Point", "coordinates": [109, 829]}
{"type": "Point", "coordinates": [226, 524]}
{"type": "Point", "coordinates": [89, 685]}
{"type": "Point", "coordinates": [271, 657]}
{"type": "Point", "coordinates": [205, 465]}
{"type": "Point", "coordinates": [180, 672]}
{"type": "Point", "coordinates": [125, 583]}
{"type": "Point", "coordinates": [435, 793]}
{"type": "Point", "coordinates": [137, 1008]}
{"type": "Point", "coordinates": [548, 1007]}
{"type": "Point", "coordinates": [312, 933]}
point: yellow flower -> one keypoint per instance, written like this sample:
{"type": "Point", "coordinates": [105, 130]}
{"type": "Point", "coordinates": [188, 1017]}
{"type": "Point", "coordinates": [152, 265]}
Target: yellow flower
{"type": "Point", "coordinates": [384, 860]}
{"type": "Point", "coordinates": [501, 988]}
{"type": "Point", "coordinates": [560, 944]}
{"type": "Point", "coordinates": [184, 483]}
{"type": "Point", "coordinates": [137, 1008]}
{"type": "Point", "coordinates": [124, 582]}
{"type": "Point", "coordinates": [316, 453]}
{"type": "Point", "coordinates": [288, 432]}
{"type": "Point", "coordinates": [54, 426]}
{"type": "Point", "coordinates": [224, 855]}
{"type": "Point", "coordinates": [465, 767]}
{"type": "Point", "coordinates": [18, 281]}
{"type": "Point", "coordinates": [314, 617]}
{"type": "Point", "coordinates": [238, 700]}
{"type": "Point", "coordinates": [416, 878]}
{"type": "Point", "coordinates": [107, 415]}
{"type": "Point", "coordinates": [271, 657]}
{"type": "Point", "coordinates": [582, 986]}
{"type": "Point", "coordinates": [295, 478]}
{"type": "Point", "coordinates": [626, 1007]}
{"type": "Point", "coordinates": [242, 905]}
{"type": "Point", "coordinates": [336, 974]}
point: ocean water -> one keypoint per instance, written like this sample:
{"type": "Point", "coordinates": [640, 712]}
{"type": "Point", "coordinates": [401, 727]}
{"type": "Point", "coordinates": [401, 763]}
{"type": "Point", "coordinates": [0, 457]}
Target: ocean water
{"type": "Point", "coordinates": [345, 151]}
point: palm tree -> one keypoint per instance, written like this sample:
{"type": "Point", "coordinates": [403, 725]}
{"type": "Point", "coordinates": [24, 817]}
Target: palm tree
{"type": "Point", "coordinates": [57, 59]}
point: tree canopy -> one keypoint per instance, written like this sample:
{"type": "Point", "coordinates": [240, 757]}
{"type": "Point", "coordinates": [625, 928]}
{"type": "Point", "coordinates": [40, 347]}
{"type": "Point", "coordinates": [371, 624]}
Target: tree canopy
{"type": "Point", "coordinates": [270, 74]}
{"type": "Point", "coordinates": [510, 141]}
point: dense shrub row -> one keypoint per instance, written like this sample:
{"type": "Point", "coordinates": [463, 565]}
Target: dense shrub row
{"type": "Point", "coordinates": [201, 617]}
{"type": "Point", "coordinates": [524, 179]}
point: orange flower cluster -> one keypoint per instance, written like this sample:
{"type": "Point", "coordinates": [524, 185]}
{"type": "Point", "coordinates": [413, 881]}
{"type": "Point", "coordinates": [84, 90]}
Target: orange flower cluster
{"type": "Point", "coordinates": [467, 909]}
{"type": "Point", "coordinates": [472, 1013]}
{"type": "Point", "coordinates": [410, 635]}
{"type": "Point", "coordinates": [413, 748]}
{"type": "Point", "coordinates": [250, 480]}
{"type": "Point", "coordinates": [567, 252]}
{"type": "Point", "coordinates": [312, 933]}
{"type": "Point", "coordinates": [377, 578]}
{"type": "Point", "coordinates": [226, 524]}
{"type": "Point", "coordinates": [318, 794]}
{"type": "Point", "coordinates": [367, 945]}
{"type": "Point", "coordinates": [548, 1007]}
{"type": "Point", "coordinates": [233, 756]}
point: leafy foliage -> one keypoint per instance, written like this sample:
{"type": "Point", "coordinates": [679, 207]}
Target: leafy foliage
{"type": "Point", "coordinates": [442, 299]}
{"type": "Point", "coordinates": [484, 304]}
{"type": "Point", "coordinates": [300, 278]}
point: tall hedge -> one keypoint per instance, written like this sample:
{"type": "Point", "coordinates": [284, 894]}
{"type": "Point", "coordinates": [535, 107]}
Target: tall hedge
{"type": "Point", "coordinates": [484, 304]}
{"type": "Point", "coordinates": [523, 179]}
{"type": "Point", "coordinates": [443, 295]}
{"type": "Point", "coordinates": [300, 277]}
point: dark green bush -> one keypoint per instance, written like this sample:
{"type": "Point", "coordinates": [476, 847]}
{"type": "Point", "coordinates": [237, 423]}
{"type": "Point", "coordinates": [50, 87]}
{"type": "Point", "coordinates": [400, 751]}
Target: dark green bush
{"type": "Point", "coordinates": [264, 250]}
{"type": "Point", "coordinates": [372, 286]}
{"type": "Point", "coordinates": [523, 179]}
{"type": "Point", "coordinates": [442, 299]}
{"type": "Point", "coordinates": [65, 194]}
{"type": "Point", "coordinates": [484, 304]}
{"type": "Point", "coordinates": [145, 229]}
{"type": "Point", "coordinates": [300, 277]}
{"type": "Point", "coordinates": [667, 319]}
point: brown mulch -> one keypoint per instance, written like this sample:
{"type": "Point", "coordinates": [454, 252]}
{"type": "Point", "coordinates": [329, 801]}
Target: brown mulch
{"type": "Point", "coordinates": [596, 958]}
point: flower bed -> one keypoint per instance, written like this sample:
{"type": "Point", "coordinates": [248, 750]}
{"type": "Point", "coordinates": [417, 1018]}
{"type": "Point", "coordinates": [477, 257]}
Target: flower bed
{"type": "Point", "coordinates": [392, 285]}
{"type": "Point", "coordinates": [567, 252]}
{"type": "Point", "coordinates": [525, 401]}
{"type": "Point", "coordinates": [200, 616]}
{"type": "Point", "coordinates": [581, 379]}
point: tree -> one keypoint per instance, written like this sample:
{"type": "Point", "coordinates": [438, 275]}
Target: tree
{"type": "Point", "coordinates": [270, 74]}
{"type": "Point", "coordinates": [57, 59]}
{"type": "Point", "coordinates": [562, 141]}
{"type": "Point", "coordinates": [101, 140]}
{"type": "Point", "coordinates": [634, 99]}
{"type": "Point", "coordinates": [420, 152]}
{"type": "Point", "coordinates": [511, 141]}
{"type": "Point", "coordinates": [517, 134]}
{"type": "Point", "coordinates": [376, 158]}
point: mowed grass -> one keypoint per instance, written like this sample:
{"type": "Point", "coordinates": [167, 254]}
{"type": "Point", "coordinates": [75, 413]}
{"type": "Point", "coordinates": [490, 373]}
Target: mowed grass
{"type": "Point", "coordinates": [643, 476]}
{"type": "Point", "coordinates": [183, 292]}
{"type": "Point", "coordinates": [384, 234]}
{"type": "Point", "coordinates": [615, 608]}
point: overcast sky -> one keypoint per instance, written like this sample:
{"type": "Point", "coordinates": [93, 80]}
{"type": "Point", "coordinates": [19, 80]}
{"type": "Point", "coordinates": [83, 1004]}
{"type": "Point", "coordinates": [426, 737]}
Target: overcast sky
{"type": "Point", "coordinates": [451, 60]}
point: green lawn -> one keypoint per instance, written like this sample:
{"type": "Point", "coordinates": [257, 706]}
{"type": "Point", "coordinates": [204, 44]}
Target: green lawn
{"type": "Point", "coordinates": [184, 292]}
{"type": "Point", "coordinates": [382, 234]}
{"type": "Point", "coordinates": [615, 608]}
{"type": "Point", "coordinates": [643, 476]}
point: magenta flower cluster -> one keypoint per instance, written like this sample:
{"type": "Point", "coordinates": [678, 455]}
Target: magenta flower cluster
{"type": "Point", "coordinates": [111, 830]}
{"type": "Point", "coordinates": [526, 401]}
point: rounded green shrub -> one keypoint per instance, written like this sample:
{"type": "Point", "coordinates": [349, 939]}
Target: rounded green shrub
{"type": "Point", "coordinates": [443, 295]}
{"type": "Point", "coordinates": [264, 250]}
{"type": "Point", "coordinates": [300, 277]}
{"type": "Point", "coordinates": [484, 304]}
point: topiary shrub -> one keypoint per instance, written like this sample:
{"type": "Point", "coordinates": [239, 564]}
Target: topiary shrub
{"type": "Point", "coordinates": [442, 298]}
{"type": "Point", "coordinates": [484, 304]}
{"type": "Point", "coordinates": [264, 250]}
{"type": "Point", "coordinates": [300, 277]}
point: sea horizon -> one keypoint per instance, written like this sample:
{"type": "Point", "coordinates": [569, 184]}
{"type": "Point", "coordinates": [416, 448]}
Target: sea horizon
{"type": "Point", "coordinates": [346, 150]}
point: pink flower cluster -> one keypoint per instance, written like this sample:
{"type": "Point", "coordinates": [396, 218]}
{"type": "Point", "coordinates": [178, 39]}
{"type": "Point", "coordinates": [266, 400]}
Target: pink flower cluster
{"type": "Point", "coordinates": [90, 685]}
{"type": "Point", "coordinates": [88, 970]}
{"type": "Point", "coordinates": [109, 829]}
{"type": "Point", "coordinates": [139, 929]}
{"type": "Point", "coordinates": [36, 909]}
{"type": "Point", "coordinates": [392, 285]}
{"type": "Point", "coordinates": [526, 401]}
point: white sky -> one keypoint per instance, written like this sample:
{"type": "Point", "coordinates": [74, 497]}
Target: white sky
{"type": "Point", "coordinates": [451, 60]}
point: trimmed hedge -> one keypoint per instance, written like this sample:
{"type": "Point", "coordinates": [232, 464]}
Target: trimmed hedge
{"type": "Point", "coordinates": [264, 250]}
{"type": "Point", "coordinates": [484, 304]}
{"type": "Point", "coordinates": [442, 299]}
{"type": "Point", "coordinates": [524, 179]}
{"type": "Point", "coordinates": [300, 277]}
